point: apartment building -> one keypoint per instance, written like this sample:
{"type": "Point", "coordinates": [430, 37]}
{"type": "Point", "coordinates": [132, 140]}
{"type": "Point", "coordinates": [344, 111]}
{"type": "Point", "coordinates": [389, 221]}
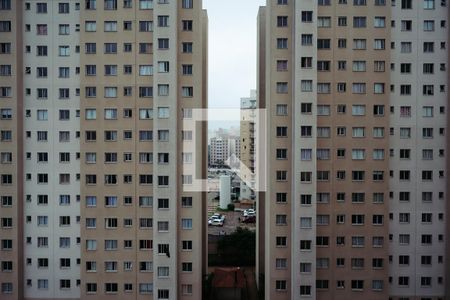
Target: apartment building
{"type": "Point", "coordinates": [356, 98]}
{"type": "Point", "coordinates": [219, 150]}
{"type": "Point", "coordinates": [11, 150]}
{"type": "Point", "coordinates": [93, 98]}
{"type": "Point", "coordinates": [247, 145]}
{"type": "Point", "coordinates": [418, 150]}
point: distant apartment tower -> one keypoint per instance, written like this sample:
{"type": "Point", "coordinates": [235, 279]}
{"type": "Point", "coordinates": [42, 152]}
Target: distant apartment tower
{"type": "Point", "coordinates": [219, 150]}
{"type": "Point", "coordinates": [247, 146]}
{"type": "Point", "coordinates": [356, 95]}
{"type": "Point", "coordinates": [93, 150]}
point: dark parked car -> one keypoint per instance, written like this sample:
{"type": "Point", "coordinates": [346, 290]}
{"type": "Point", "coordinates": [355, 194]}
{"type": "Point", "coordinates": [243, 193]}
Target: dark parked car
{"type": "Point", "coordinates": [250, 219]}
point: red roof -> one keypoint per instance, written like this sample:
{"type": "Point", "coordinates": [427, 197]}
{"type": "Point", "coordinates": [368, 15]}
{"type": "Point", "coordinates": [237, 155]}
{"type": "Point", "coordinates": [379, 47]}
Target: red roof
{"type": "Point", "coordinates": [228, 278]}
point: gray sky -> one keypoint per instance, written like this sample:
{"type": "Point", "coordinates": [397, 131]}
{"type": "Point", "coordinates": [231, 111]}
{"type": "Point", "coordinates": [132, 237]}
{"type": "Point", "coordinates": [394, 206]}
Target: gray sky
{"type": "Point", "coordinates": [232, 50]}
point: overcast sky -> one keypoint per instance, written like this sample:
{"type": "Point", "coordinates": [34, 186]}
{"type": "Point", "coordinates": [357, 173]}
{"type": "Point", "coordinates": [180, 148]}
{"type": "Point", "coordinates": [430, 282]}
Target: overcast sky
{"type": "Point", "coordinates": [232, 50]}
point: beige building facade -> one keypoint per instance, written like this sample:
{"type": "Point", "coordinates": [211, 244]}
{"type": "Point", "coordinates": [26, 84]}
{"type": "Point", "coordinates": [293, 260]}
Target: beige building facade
{"type": "Point", "coordinates": [95, 173]}
{"type": "Point", "coordinates": [356, 99]}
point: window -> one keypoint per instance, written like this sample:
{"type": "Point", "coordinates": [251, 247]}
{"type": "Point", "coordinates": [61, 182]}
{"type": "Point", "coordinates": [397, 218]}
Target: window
{"type": "Point", "coordinates": [282, 21]}
{"type": "Point", "coordinates": [163, 67]}
{"type": "Point", "coordinates": [428, 4]}
{"type": "Point", "coordinates": [428, 25]}
{"type": "Point", "coordinates": [342, 21]}
{"type": "Point", "coordinates": [187, 91]}
{"type": "Point", "coordinates": [163, 21]}
{"type": "Point", "coordinates": [145, 135]}
{"type": "Point", "coordinates": [359, 88]}
{"type": "Point", "coordinates": [5, 4]}
{"type": "Point", "coordinates": [5, 48]}
{"type": "Point", "coordinates": [428, 90]}
{"type": "Point", "coordinates": [427, 175]}
{"type": "Point", "coordinates": [187, 69]}
{"type": "Point", "coordinates": [145, 26]}
{"type": "Point", "coordinates": [379, 44]}
{"type": "Point", "coordinates": [428, 47]}
{"type": "Point", "coordinates": [405, 47]}
{"type": "Point", "coordinates": [110, 26]}
{"type": "Point", "coordinates": [359, 22]}
{"type": "Point", "coordinates": [406, 25]}
{"type": "Point", "coordinates": [187, 4]}
{"type": "Point", "coordinates": [359, 44]}
{"type": "Point", "coordinates": [110, 48]}
{"type": "Point", "coordinates": [323, 88]}
{"type": "Point", "coordinates": [280, 285]}
{"type": "Point", "coordinates": [428, 68]}
{"type": "Point", "coordinates": [307, 40]}
{"type": "Point", "coordinates": [282, 87]}
{"type": "Point", "coordinates": [187, 25]}
{"type": "Point", "coordinates": [306, 62]}
{"type": "Point", "coordinates": [163, 135]}
{"type": "Point", "coordinates": [323, 44]}
{"type": "Point", "coordinates": [379, 22]}
{"type": "Point", "coordinates": [305, 290]}
{"type": "Point", "coordinates": [426, 239]}
{"type": "Point", "coordinates": [378, 88]}
{"type": "Point", "coordinates": [63, 8]}
{"type": "Point", "coordinates": [306, 85]}
{"type": "Point", "coordinates": [187, 47]}
{"type": "Point", "coordinates": [41, 8]}
{"type": "Point", "coordinates": [111, 288]}
{"type": "Point", "coordinates": [358, 110]}
{"type": "Point", "coordinates": [186, 267]}
{"type": "Point", "coordinates": [146, 70]}
{"type": "Point", "coordinates": [281, 131]}
{"type": "Point", "coordinates": [145, 201]}
{"type": "Point", "coordinates": [145, 91]}
{"type": "Point", "coordinates": [145, 288]}
{"type": "Point", "coordinates": [90, 26]}
{"type": "Point", "coordinates": [281, 109]}
{"type": "Point", "coordinates": [324, 22]}
{"type": "Point", "coordinates": [186, 223]}
{"type": "Point", "coordinates": [307, 16]}
{"type": "Point", "coordinates": [427, 133]}
{"type": "Point", "coordinates": [110, 5]}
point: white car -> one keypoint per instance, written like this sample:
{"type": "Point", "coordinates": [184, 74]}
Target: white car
{"type": "Point", "coordinates": [215, 217]}
{"type": "Point", "coordinates": [249, 212]}
{"type": "Point", "coordinates": [218, 216]}
{"type": "Point", "coordinates": [216, 222]}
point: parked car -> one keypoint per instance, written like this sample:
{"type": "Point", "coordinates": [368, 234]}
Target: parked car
{"type": "Point", "coordinates": [249, 212]}
{"type": "Point", "coordinates": [250, 219]}
{"type": "Point", "coordinates": [217, 222]}
{"type": "Point", "coordinates": [216, 216]}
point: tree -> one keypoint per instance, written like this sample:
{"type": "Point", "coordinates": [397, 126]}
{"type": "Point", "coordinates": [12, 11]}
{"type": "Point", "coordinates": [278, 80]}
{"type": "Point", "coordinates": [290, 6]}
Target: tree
{"type": "Point", "coordinates": [237, 249]}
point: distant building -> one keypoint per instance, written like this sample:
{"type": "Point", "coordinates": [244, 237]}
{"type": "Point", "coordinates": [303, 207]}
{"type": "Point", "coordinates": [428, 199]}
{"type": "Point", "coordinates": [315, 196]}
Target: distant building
{"type": "Point", "coordinates": [247, 145]}
{"type": "Point", "coordinates": [223, 148]}
{"type": "Point", "coordinates": [250, 102]}
{"type": "Point", "coordinates": [219, 150]}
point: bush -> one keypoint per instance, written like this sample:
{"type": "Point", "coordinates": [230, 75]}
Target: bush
{"type": "Point", "coordinates": [230, 207]}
